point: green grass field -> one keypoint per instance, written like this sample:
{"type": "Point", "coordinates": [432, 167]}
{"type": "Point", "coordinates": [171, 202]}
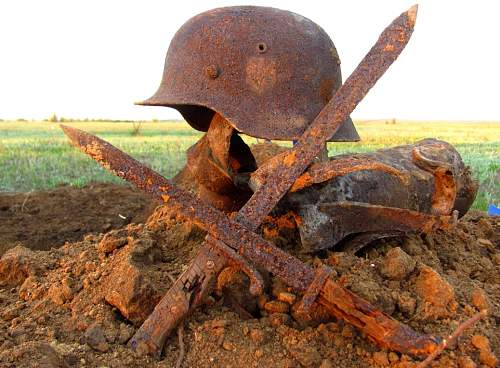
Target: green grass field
{"type": "Point", "coordinates": [36, 155]}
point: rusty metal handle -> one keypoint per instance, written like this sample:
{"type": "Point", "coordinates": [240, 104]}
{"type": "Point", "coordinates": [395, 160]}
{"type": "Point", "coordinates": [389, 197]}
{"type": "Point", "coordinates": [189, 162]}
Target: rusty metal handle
{"type": "Point", "coordinates": [378, 327]}
{"type": "Point", "coordinates": [184, 295]}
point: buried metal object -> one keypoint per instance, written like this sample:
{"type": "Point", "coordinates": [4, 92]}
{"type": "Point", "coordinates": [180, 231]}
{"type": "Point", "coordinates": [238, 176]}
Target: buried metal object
{"type": "Point", "coordinates": [194, 283]}
{"type": "Point", "coordinates": [358, 198]}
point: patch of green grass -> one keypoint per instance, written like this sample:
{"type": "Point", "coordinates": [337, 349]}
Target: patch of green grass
{"type": "Point", "coordinates": [37, 155]}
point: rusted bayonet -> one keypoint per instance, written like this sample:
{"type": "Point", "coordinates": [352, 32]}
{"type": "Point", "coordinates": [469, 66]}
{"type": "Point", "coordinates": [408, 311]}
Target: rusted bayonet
{"type": "Point", "coordinates": [385, 51]}
{"type": "Point", "coordinates": [188, 289]}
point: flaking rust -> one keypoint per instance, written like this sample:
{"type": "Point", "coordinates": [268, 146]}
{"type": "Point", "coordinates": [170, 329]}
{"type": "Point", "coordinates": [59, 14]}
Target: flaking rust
{"type": "Point", "coordinates": [232, 242]}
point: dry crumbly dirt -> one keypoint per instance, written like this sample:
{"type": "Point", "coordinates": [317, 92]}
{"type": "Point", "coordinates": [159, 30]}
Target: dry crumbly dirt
{"type": "Point", "coordinates": [46, 219]}
{"type": "Point", "coordinates": [75, 284]}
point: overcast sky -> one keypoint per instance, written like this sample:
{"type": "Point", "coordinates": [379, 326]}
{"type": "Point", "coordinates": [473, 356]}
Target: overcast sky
{"type": "Point", "coordinates": [94, 58]}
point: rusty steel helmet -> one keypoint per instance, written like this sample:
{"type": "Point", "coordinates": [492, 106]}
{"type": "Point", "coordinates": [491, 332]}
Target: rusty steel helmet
{"type": "Point", "coordinates": [269, 72]}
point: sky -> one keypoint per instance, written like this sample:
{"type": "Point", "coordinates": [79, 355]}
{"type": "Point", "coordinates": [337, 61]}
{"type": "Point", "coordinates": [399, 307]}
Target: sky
{"type": "Point", "coordinates": [94, 58]}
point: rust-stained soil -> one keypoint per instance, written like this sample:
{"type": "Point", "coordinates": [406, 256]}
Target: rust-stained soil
{"type": "Point", "coordinates": [76, 280]}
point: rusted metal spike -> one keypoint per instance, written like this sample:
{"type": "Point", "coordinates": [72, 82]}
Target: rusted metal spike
{"type": "Point", "coordinates": [386, 50]}
{"type": "Point", "coordinates": [381, 328]}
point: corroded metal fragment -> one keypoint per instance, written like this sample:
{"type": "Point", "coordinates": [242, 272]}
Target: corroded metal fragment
{"type": "Point", "coordinates": [216, 162]}
{"type": "Point", "coordinates": [397, 190]}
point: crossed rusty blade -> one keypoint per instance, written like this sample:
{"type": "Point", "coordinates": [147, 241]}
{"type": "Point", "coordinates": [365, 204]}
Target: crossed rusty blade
{"type": "Point", "coordinates": [190, 288]}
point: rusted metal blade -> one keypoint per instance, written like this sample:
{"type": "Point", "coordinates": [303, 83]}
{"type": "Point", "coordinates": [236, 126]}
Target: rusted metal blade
{"type": "Point", "coordinates": [383, 329]}
{"type": "Point", "coordinates": [118, 162]}
{"type": "Point", "coordinates": [385, 51]}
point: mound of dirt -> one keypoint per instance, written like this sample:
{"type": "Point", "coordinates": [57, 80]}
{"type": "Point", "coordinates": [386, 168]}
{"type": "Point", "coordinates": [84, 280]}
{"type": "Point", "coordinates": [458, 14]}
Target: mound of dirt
{"type": "Point", "coordinates": [78, 305]}
{"type": "Point", "coordinates": [45, 219]}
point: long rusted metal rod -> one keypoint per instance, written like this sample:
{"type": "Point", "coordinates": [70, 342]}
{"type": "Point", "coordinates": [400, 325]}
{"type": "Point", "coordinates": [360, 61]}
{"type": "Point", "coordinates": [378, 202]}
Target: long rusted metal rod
{"type": "Point", "coordinates": [386, 50]}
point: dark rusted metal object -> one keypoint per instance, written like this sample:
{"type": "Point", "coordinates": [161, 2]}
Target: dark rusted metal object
{"type": "Point", "coordinates": [217, 162]}
{"type": "Point", "coordinates": [188, 292]}
{"type": "Point", "coordinates": [189, 288]}
{"type": "Point", "coordinates": [269, 72]}
{"type": "Point", "coordinates": [389, 190]}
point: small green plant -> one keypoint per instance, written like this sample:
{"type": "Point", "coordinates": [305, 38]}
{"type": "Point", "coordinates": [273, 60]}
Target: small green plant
{"type": "Point", "coordinates": [136, 128]}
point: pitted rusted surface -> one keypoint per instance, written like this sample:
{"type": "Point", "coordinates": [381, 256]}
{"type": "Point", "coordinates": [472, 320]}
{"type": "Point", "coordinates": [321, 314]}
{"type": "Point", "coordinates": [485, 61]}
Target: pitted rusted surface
{"type": "Point", "coordinates": [269, 72]}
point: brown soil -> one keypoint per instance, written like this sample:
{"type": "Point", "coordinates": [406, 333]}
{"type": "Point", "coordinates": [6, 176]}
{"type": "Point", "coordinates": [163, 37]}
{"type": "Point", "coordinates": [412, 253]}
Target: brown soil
{"type": "Point", "coordinates": [46, 219]}
{"type": "Point", "coordinates": [78, 304]}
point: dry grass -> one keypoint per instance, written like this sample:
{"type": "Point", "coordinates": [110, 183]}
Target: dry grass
{"type": "Point", "coordinates": [36, 155]}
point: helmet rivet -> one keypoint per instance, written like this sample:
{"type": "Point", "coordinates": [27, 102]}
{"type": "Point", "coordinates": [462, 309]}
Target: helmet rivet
{"type": "Point", "coordinates": [212, 71]}
{"type": "Point", "coordinates": [261, 47]}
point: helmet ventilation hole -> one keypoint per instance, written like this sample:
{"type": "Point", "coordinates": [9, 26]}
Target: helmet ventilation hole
{"type": "Point", "coordinates": [212, 71]}
{"type": "Point", "coordinates": [262, 47]}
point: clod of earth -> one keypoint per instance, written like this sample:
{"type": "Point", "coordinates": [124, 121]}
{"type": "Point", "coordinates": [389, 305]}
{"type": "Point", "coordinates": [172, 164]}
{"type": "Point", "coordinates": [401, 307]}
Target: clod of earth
{"type": "Point", "coordinates": [437, 295]}
{"type": "Point", "coordinates": [17, 265]}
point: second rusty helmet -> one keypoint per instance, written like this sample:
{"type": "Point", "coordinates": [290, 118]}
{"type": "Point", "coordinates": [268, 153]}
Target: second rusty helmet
{"type": "Point", "coordinates": [269, 72]}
